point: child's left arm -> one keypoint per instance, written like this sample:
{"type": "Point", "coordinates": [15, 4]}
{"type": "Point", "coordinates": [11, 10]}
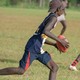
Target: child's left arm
{"type": "Point", "coordinates": [51, 43]}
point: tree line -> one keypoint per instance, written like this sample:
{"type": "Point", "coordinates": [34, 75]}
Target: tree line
{"type": "Point", "coordinates": [32, 3]}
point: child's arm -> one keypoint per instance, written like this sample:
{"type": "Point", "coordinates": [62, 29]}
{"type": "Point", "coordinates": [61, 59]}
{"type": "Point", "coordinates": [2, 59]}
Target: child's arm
{"type": "Point", "coordinates": [47, 32]}
{"type": "Point", "coordinates": [51, 44]}
{"type": "Point", "coordinates": [64, 27]}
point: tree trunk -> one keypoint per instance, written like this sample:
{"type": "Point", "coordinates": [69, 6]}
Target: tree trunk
{"type": "Point", "coordinates": [78, 3]}
{"type": "Point", "coordinates": [41, 3]}
{"type": "Point", "coordinates": [13, 2]}
{"type": "Point", "coordinates": [30, 1]}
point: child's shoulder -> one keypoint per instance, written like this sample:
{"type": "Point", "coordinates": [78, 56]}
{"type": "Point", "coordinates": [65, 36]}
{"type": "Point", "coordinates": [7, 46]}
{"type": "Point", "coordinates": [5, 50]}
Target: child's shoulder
{"type": "Point", "coordinates": [52, 15]}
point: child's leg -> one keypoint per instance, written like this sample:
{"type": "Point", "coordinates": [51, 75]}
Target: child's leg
{"type": "Point", "coordinates": [74, 63]}
{"type": "Point", "coordinates": [12, 71]}
{"type": "Point", "coordinates": [47, 60]}
{"type": "Point", "coordinates": [53, 70]}
{"type": "Point", "coordinates": [78, 58]}
{"type": "Point", "coordinates": [24, 64]}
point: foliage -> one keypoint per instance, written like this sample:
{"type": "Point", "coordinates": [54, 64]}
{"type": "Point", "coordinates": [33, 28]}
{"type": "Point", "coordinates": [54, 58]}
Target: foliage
{"type": "Point", "coordinates": [31, 3]}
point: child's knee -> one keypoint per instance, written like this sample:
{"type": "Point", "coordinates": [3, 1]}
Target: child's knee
{"type": "Point", "coordinates": [21, 71]}
{"type": "Point", "coordinates": [55, 68]}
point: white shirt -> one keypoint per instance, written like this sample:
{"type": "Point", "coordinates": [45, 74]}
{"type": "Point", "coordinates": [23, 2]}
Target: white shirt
{"type": "Point", "coordinates": [60, 18]}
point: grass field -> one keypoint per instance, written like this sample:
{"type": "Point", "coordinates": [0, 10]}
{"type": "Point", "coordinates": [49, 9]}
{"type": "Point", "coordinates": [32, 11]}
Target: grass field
{"type": "Point", "coordinates": [18, 25]}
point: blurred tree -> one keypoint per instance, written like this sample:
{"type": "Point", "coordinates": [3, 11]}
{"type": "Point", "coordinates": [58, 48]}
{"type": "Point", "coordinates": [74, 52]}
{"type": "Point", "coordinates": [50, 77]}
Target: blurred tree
{"type": "Point", "coordinates": [30, 1]}
{"type": "Point", "coordinates": [35, 3]}
{"type": "Point", "coordinates": [78, 3]}
{"type": "Point", "coordinates": [41, 3]}
{"type": "Point", "coordinates": [13, 2]}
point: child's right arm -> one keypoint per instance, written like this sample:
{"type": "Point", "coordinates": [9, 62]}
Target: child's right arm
{"type": "Point", "coordinates": [47, 32]}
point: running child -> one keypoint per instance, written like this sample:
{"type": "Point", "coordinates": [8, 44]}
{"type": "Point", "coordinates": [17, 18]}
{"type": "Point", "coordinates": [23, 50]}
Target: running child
{"type": "Point", "coordinates": [33, 48]}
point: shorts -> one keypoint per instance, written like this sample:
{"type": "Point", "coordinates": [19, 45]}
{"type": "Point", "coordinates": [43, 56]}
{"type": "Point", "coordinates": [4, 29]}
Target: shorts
{"type": "Point", "coordinates": [29, 57]}
{"type": "Point", "coordinates": [33, 52]}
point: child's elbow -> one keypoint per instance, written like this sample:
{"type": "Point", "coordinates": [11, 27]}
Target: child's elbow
{"type": "Point", "coordinates": [45, 32]}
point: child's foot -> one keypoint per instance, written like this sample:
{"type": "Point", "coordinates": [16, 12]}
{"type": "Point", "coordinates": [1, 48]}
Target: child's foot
{"type": "Point", "coordinates": [73, 68]}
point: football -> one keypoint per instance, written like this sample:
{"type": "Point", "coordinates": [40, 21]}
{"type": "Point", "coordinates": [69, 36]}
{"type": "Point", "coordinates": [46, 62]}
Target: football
{"type": "Point", "coordinates": [60, 47]}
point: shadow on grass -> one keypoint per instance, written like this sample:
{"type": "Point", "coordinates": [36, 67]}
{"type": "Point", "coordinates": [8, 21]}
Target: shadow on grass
{"type": "Point", "coordinates": [8, 60]}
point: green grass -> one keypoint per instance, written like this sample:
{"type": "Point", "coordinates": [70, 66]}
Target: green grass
{"type": "Point", "coordinates": [17, 25]}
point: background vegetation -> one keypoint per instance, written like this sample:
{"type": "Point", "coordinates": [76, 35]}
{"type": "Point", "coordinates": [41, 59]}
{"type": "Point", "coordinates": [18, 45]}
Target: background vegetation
{"type": "Point", "coordinates": [17, 25]}
{"type": "Point", "coordinates": [33, 3]}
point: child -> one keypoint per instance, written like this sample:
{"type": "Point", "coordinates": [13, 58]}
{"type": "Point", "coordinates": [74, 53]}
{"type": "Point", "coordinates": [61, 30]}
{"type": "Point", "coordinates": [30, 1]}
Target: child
{"type": "Point", "coordinates": [33, 48]}
{"type": "Point", "coordinates": [74, 63]}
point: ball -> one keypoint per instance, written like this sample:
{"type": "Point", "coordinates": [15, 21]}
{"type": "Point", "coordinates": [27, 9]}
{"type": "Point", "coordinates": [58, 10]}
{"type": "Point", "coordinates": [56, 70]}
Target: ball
{"type": "Point", "coordinates": [60, 46]}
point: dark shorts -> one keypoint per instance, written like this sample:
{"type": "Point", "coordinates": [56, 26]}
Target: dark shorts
{"type": "Point", "coordinates": [29, 57]}
{"type": "Point", "coordinates": [33, 52]}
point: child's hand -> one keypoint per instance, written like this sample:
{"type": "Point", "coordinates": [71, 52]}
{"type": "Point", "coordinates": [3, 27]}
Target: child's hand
{"type": "Point", "coordinates": [64, 43]}
{"type": "Point", "coordinates": [55, 45]}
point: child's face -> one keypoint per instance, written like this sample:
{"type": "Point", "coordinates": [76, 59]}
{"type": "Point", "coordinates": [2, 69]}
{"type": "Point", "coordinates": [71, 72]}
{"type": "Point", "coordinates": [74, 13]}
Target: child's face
{"type": "Point", "coordinates": [60, 12]}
